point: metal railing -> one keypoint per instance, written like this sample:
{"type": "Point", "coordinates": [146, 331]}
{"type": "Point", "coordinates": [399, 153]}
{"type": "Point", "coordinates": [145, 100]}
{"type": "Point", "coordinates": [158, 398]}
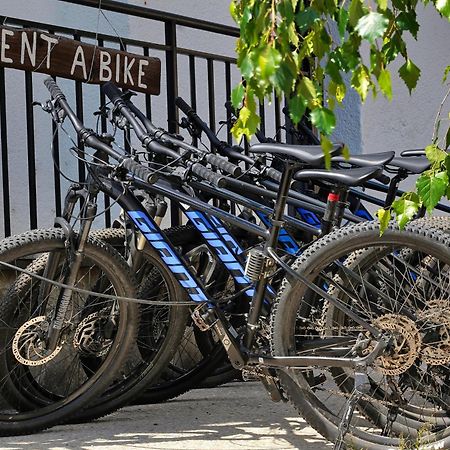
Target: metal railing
{"type": "Point", "coordinates": [170, 53]}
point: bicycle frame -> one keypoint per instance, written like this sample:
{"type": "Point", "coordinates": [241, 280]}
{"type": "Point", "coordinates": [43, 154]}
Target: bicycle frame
{"type": "Point", "coordinates": [212, 316]}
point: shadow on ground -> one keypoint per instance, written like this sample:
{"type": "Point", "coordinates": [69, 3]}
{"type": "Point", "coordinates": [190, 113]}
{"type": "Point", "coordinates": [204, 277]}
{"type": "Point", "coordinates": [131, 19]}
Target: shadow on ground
{"type": "Point", "coordinates": [235, 416]}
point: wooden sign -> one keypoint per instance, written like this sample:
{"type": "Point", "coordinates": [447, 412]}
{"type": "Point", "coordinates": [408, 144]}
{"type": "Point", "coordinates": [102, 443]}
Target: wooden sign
{"type": "Point", "coordinates": [32, 50]}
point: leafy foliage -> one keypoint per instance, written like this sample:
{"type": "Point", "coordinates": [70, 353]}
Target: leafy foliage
{"type": "Point", "coordinates": [294, 48]}
{"type": "Point", "coordinates": [279, 39]}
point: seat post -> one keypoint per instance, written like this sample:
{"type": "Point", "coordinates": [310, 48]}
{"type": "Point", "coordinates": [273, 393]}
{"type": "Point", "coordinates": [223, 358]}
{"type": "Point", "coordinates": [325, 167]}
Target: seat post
{"type": "Point", "coordinates": [283, 192]}
{"type": "Point", "coordinates": [329, 215]}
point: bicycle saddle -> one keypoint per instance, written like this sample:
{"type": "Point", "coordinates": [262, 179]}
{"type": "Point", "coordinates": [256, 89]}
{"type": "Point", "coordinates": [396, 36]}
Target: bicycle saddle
{"type": "Point", "coordinates": [345, 177]}
{"type": "Point", "coordinates": [414, 152]}
{"type": "Point", "coordinates": [413, 164]}
{"type": "Point", "coordinates": [374, 159]}
{"type": "Point", "coordinates": [308, 154]}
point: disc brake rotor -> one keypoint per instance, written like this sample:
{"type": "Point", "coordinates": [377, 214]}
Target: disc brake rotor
{"type": "Point", "coordinates": [405, 347]}
{"type": "Point", "coordinates": [89, 338]}
{"type": "Point", "coordinates": [437, 316]}
{"type": "Point", "coordinates": [29, 344]}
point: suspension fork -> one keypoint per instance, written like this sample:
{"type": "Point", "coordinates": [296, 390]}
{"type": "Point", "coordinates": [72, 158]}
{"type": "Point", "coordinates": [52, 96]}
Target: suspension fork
{"type": "Point", "coordinates": [71, 277]}
{"type": "Point", "coordinates": [75, 193]}
{"type": "Point", "coordinates": [271, 243]}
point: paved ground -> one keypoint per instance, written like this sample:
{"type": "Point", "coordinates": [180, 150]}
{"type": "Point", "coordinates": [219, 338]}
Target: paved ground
{"type": "Point", "coordinates": [235, 416]}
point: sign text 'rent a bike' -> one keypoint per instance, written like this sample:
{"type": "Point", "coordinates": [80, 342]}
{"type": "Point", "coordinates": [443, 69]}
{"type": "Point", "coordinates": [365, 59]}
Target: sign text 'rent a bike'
{"type": "Point", "coordinates": [32, 50]}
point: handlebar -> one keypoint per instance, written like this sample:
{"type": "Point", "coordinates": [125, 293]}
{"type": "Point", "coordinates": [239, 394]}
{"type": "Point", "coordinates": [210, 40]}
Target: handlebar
{"type": "Point", "coordinates": [115, 95]}
{"type": "Point", "coordinates": [90, 138]}
{"type": "Point", "coordinates": [234, 152]}
{"type": "Point", "coordinates": [130, 112]}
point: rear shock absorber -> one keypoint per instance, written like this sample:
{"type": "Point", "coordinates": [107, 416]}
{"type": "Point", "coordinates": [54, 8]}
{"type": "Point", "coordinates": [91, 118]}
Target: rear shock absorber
{"type": "Point", "coordinates": [255, 265]}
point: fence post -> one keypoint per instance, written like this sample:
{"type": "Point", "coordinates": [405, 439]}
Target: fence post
{"type": "Point", "coordinates": [170, 28]}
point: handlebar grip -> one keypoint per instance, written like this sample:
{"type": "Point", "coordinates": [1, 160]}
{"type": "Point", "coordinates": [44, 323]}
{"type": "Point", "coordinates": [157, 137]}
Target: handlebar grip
{"type": "Point", "coordinates": [139, 170]}
{"type": "Point", "coordinates": [214, 178]}
{"type": "Point", "coordinates": [183, 106]}
{"type": "Point", "coordinates": [224, 164]}
{"type": "Point", "coordinates": [54, 89]}
{"type": "Point", "coordinates": [112, 92]}
{"type": "Point", "coordinates": [273, 173]}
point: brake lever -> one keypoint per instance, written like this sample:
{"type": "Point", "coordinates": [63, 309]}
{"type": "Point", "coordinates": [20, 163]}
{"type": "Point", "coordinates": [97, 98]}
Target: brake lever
{"type": "Point", "coordinates": [117, 119]}
{"type": "Point", "coordinates": [193, 131]}
{"type": "Point", "coordinates": [50, 107]}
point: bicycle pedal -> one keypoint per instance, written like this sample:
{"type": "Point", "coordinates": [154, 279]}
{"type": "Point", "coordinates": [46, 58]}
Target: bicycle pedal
{"type": "Point", "coordinates": [272, 386]}
{"type": "Point", "coordinates": [249, 375]}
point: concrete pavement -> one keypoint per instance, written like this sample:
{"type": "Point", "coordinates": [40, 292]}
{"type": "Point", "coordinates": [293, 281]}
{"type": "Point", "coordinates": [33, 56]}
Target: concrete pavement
{"type": "Point", "coordinates": [234, 416]}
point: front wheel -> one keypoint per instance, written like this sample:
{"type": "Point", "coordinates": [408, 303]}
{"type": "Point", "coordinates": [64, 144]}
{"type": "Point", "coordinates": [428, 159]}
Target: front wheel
{"type": "Point", "coordinates": [397, 283]}
{"type": "Point", "coordinates": [43, 386]}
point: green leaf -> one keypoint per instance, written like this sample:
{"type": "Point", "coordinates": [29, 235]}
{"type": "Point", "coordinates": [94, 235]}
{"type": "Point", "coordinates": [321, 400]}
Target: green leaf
{"type": "Point", "coordinates": [307, 89]}
{"type": "Point", "coordinates": [382, 4]}
{"type": "Point", "coordinates": [327, 146]}
{"type": "Point", "coordinates": [297, 108]}
{"type": "Point", "coordinates": [446, 72]}
{"type": "Point", "coordinates": [407, 21]}
{"type": "Point", "coordinates": [435, 154]}
{"type": "Point", "coordinates": [443, 6]}
{"type": "Point", "coordinates": [392, 47]}
{"type": "Point", "coordinates": [323, 119]}
{"type": "Point", "coordinates": [285, 76]}
{"type": "Point", "coordinates": [410, 74]}
{"type": "Point", "coordinates": [321, 42]}
{"type": "Point", "coordinates": [304, 19]}
{"type": "Point", "coordinates": [293, 35]}
{"type": "Point", "coordinates": [237, 96]}
{"type": "Point", "coordinates": [332, 69]}
{"type": "Point", "coordinates": [342, 22]}
{"type": "Point", "coordinates": [384, 216]}
{"type": "Point", "coordinates": [269, 62]}
{"type": "Point", "coordinates": [337, 90]}
{"type": "Point", "coordinates": [361, 81]}
{"type": "Point", "coordinates": [405, 209]}
{"type": "Point", "coordinates": [355, 12]}
{"type": "Point", "coordinates": [246, 66]}
{"type": "Point", "coordinates": [244, 115]}
{"type": "Point", "coordinates": [384, 80]}
{"type": "Point", "coordinates": [346, 152]}
{"type": "Point", "coordinates": [233, 11]}
{"type": "Point", "coordinates": [447, 139]}
{"type": "Point", "coordinates": [372, 26]}
{"type": "Point", "coordinates": [247, 122]}
{"type": "Point", "coordinates": [431, 188]}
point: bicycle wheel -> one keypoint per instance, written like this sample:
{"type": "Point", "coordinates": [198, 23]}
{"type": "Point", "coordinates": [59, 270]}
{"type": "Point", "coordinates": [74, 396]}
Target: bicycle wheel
{"type": "Point", "coordinates": [41, 387]}
{"type": "Point", "coordinates": [189, 365]}
{"type": "Point", "coordinates": [159, 335]}
{"type": "Point", "coordinates": [396, 283]}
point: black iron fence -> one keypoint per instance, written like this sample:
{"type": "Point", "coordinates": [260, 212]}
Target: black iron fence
{"type": "Point", "coordinates": [45, 185]}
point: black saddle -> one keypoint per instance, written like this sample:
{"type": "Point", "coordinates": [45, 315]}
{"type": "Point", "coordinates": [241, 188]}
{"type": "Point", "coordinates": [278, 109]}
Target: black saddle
{"type": "Point", "coordinates": [344, 177]}
{"type": "Point", "coordinates": [414, 152]}
{"type": "Point", "coordinates": [413, 164]}
{"type": "Point", "coordinates": [374, 159]}
{"type": "Point", "coordinates": [309, 154]}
